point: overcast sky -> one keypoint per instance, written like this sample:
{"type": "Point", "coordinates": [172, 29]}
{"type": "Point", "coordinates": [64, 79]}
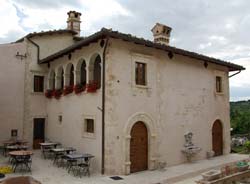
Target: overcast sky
{"type": "Point", "coordinates": [215, 28]}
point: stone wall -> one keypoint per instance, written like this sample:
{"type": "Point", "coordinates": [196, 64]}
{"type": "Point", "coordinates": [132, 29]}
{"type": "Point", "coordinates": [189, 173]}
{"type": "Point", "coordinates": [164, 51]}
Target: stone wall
{"type": "Point", "coordinates": [179, 97]}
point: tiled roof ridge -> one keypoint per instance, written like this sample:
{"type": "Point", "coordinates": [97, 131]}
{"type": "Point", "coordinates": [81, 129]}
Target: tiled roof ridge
{"type": "Point", "coordinates": [104, 32]}
{"type": "Point", "coordinates": [41, 33]}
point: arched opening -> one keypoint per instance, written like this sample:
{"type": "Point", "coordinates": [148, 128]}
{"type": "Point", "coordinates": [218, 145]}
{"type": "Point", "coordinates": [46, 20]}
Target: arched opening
{"type": "Point", "coordinates": [139, 147]}
{"type": "Point", "coordinates": [83, 74]}
{"type": "Point", "coordinates": [71, 77]}
{"type": "Point", "coordinates": [95, 71]}
{"type": "Point", "coordinates": [60, 78]}
{"type": "Point", "coordinates": [217, 138]}
{"type": "Point", "coordinates": [52, 80]}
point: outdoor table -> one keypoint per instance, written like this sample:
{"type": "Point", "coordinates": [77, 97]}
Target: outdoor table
{"type": "Point", "coordinates": [83, 166]}
{"type": "Point", "coordinates": [51, 144]}
{"type": "Point", "coordinates": [17, 147]}
{"type": "Point", "coordinates": [59, 152]}
{"type": "Point", "coordinates": [10, 143]}
{"type": "Point", "coordinates": [22, 158]}
{"type": "Point", "coordinates": [46, 147]}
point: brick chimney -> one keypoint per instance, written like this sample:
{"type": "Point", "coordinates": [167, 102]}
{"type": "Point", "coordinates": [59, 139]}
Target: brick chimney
{"type": "Point", "coordinates": [161, 33]}
{"type": "Point", "coordinates": [74, 21]}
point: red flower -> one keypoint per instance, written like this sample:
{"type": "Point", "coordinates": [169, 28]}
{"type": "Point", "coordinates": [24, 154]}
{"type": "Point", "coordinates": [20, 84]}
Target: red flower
{"type": "Point", "coordinates": [92, 86]}
{"type": "Point", "coordinates": [49, 93]}
{"type": "Point", "coordinates": [78, 88]}
{"type": "Point", "coordinates": [68, 90]}
{"type": "Point", "coordinates": [57, 93]}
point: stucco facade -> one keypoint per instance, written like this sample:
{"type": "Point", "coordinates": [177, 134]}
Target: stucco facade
{"type": "Point", "coordinates": [179, 96]}
{"type": "Point", "coordinates": [12, 89]}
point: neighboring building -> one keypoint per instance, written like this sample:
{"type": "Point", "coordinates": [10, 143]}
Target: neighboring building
{"type": "Point", "coordinates": [135, 100]}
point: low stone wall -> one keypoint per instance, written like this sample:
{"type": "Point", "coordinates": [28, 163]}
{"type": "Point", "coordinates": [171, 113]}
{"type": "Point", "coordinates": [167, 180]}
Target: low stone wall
{"type": "Point", "coordinates": [228, 179]}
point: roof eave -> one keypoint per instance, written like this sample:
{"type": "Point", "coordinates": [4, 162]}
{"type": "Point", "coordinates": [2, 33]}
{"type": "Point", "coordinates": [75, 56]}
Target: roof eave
{"type": "Point", "coordinates": [126, 37]}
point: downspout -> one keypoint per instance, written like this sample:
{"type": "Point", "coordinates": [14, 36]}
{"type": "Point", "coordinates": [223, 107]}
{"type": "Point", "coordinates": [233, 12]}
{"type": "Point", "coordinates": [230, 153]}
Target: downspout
{"type": "Point", "coordinates": [234, 74]}
{"type": "Point", "coordinates": [103, 104]}
{"type": "Point", "coordinates": [38, 49]}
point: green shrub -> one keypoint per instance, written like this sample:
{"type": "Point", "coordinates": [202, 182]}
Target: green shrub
{"type": "Point", "coordinates": [247, 146]}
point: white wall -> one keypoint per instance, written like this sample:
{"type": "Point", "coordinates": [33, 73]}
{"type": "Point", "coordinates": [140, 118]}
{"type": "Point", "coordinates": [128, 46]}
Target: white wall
{"type": "Point", "coordinates": [74, 109]}
{"type": "Point", "coordinates": [180, 97]}
{"type": "Point", "coordinates": [50, 44]}
{"type": "Point", "coordinates": [11, 90]}
{"type": "Point", "coordinates": [35, 102]}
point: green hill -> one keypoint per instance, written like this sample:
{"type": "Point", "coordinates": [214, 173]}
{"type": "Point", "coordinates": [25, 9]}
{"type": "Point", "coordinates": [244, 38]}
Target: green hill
{"type": "Point", "coordinates": [240, 117]}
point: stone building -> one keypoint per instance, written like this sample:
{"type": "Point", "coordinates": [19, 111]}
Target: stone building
{"type": "Point", "coordinates": [126, 100]}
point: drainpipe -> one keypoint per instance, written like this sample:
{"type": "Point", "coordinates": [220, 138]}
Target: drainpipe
{"type": "Point", "coordinates": [103, 104]}
{"type": "Point", "coordinates": [234, 74]}
{"type": "Point", "coordinates": [38, 49]}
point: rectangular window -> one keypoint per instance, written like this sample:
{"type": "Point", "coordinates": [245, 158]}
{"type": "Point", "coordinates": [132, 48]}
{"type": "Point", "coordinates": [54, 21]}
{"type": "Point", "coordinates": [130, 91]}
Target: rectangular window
{"type": "Point", "coordinates": [89, 125]}
{"type": "Point", "coordinates": [14, 133]}
{"type": "Point", "coordinates": [140, 73]}
{"type": "Point", "coordinates": [218, 84]}
{"type": "Point", "coordinates": [38, 83]}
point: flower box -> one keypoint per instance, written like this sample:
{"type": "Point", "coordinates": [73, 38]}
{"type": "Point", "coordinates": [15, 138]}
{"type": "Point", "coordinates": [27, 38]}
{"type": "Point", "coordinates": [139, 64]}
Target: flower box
{"type": "Point", "coordinates": [78, 88]}
{"type": "Point", "coordinates": [67, 90]}
{"type": "Point", "coordinates": [49, 93]}
{"type": "Point", "coordinates": [57, 93]}
{"type": "Point", "coordinates": [92, 87]}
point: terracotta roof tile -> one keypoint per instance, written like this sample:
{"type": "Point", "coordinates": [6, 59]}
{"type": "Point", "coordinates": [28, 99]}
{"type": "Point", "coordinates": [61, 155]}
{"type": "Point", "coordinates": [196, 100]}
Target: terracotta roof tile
{"type": "Point", "coordinates": [42, 33]}
{"type": "Point", "coordinates": [104, 33]}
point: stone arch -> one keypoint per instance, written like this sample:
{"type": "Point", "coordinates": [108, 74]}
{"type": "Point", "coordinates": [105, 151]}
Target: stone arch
{"type": "Point", "coordinates": [95, 69]}
{"type": "Point", "coordinates": [52, 80]}
{"type": "Point", "coordinates": [69, 75]}
{"type": "Point", "coordinates": [81, 72]}
{"type": "Point", "coordinates": [150, 125]}
{"type": "Point", "coordinates": [217, 137]}
{"type": "Point", "coordinates": [60, 78]}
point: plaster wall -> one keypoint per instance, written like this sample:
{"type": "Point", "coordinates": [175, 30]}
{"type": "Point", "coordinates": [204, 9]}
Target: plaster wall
{"type": "Point", "coordinates": [53, 43]}
{"type": "Point", "coordinates": [179, 97]}
{"type": "Point", "coordinates": [35, 102]}
{"type": "Point", "coordinates": [74, 109]}
{"type": "Point", "coordinates": [12, 89]}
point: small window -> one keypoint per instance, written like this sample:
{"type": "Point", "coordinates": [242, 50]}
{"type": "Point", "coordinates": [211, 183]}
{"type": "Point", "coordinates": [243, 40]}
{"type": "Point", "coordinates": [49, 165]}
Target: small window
{"type": "Point", "coordinates": [89, 125]}
{"type": "Point", "coordinates": [14, 133]}
{"type": "Point", "coordinates": [218, 84]}
{"type": "Point", "coordinates": [38, 83]}
{"type": "Point", "coordinates": [140, 73]}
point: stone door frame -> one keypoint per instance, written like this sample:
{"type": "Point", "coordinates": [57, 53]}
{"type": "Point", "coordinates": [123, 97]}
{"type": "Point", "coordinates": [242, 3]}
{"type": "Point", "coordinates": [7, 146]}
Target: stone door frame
{"type": "Point", "coordinates": [151, 127]}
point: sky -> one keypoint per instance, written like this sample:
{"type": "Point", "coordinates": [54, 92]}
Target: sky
{"type": "Point", "coordinates": [216, 28]}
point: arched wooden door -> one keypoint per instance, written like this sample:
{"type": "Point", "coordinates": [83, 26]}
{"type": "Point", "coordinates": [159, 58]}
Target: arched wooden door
{"type": "Point", "coordinates": [139, 147]}
{"type": "Point", "coordinates": [217, 136]}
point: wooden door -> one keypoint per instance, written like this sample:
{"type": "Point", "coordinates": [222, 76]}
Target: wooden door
{"type": "Point", "coordinates": [139, 148]}
{"type": "Point", "coordinates": [38, 132]}
{"type": "Point", "coordinates": [217, 134]}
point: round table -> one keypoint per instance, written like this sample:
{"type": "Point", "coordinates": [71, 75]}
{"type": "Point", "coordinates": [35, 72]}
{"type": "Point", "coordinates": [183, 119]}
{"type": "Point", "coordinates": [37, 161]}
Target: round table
{"type": "Point", "coordinates": [20, 153]}
{"type": "Point", "coordinates": [22, 158]}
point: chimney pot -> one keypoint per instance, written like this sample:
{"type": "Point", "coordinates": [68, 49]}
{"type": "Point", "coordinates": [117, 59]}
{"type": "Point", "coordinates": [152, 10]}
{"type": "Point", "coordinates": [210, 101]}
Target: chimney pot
{"type": "Point", "coordinates": [161, 33]}
{"type": "Point", "coordinates": [74, 21]}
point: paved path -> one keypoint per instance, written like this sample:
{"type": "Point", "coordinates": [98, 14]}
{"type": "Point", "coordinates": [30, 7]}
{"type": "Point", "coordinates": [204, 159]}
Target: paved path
{"type": "Point", "coordinates": [45, 172]}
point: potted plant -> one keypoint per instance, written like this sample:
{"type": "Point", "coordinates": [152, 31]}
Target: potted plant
{"type": "Point", "coordinates": [78, 88]}
{"type": "Point", "coordinates": [49, 93]}
{"type": "Point", "coordinates": [57, 93]}
{"type": "Point", "coordinates": [67, 90]}
{"type": "Point", "coordinates": [92, 86]}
